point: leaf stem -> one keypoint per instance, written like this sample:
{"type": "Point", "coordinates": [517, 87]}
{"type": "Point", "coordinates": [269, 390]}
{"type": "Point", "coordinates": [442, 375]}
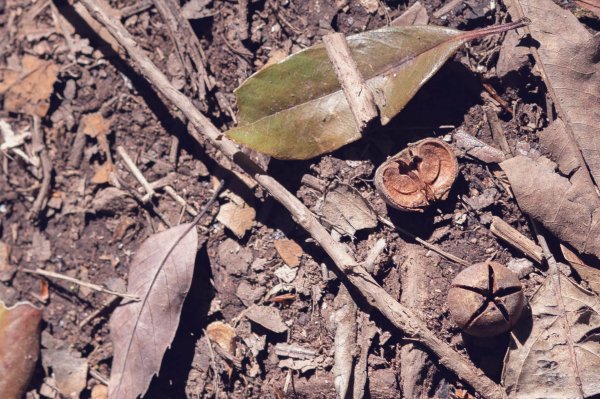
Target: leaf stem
{"type": "Point", "coordinates": [490, 30]}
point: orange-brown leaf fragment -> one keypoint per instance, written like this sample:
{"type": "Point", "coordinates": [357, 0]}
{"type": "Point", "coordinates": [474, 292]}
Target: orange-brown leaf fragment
{"type": "Point", "coordinates": [27, 89]}
{"type": "Point", "coordinates": [223, 335]}
{"type": "Point", "coordinates": [289, 251]}
{"type": "Point", "coordinates": [19, 347]}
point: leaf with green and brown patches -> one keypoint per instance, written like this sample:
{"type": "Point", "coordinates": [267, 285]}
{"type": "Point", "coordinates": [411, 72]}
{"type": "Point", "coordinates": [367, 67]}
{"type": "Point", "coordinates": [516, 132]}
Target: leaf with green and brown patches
{"type": "Point", "coordinates": [295, 109]}
{"type": "Point", "coordinates": [19, 347]}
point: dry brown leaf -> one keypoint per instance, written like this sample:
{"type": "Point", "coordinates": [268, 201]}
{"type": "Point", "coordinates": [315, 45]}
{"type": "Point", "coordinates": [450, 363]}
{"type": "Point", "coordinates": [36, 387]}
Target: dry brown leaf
{"type": "Point", "coordinates": [266, 316]}
{"type": "Point", "coordinates": [570, 67]}
{"type": "Point", "coordinates": [571, 215]}
{"type": "Point", "coordinates": [160, 274]}
{"type": "Point", "coordinates": [345, 209]}
{"type": "Point", "coordinates": [19, 347]}
{"type": "Point", "coordinates": [28, 89]}
{"type": "Point", "coordinates": [103, 173]}
{"type": "Point", "coordinates": [556, 354]}
{"type": "Point", "coordinates": [414, 15]}
{"type": "Point", "coordinates": [237, 218]}
{"type": "Point", "coordinates": [344, 321]}
{"type": "Point", "coordinates": [289, 251]}
{"type": "Point", "coordinates": [68, 370]}
{"type": "Point", "coordinates": [588, 273]}
{"type": "Point", "coordinates": [223, 335]}
{"type": "Point", "coordinates": [95, 125]}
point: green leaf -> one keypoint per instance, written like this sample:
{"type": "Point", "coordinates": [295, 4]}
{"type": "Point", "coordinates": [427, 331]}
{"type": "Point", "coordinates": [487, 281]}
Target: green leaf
{"type": "Point", "coordinates": [295, 109]}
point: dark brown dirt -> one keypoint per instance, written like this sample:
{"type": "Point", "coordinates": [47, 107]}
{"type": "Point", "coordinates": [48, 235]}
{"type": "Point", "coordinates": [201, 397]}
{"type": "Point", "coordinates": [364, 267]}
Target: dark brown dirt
{"type": "Point", "coordinates": [95, 242]}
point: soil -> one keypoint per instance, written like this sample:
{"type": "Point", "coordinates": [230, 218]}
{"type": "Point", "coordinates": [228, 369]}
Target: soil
{"type": "Point", "coordinates": [81, 236]}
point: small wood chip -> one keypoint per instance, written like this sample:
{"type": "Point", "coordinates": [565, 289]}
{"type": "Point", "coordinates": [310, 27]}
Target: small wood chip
{"type": "Point", "coordinates": [266, 317]}
{"type": "Point", "coordinates": [289, 251]}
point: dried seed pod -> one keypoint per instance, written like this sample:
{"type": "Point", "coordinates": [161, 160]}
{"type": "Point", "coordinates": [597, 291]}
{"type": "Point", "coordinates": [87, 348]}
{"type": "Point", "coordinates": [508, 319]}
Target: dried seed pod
{"type": "Point", "coordinates": [418, 175]}
{"type": "Point", "coordinates": [486, 299]}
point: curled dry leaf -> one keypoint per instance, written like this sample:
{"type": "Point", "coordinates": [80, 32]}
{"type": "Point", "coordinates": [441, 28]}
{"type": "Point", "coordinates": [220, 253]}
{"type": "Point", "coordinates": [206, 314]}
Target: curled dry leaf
{"type": "Point", "coordinates": [223, 335]}
{"type": "Point", "coordinates": [289, 251]}
{"type": "Point", "coordinates": [160, 274]}
{"type": "Point", "coordinates": [19, 347]}
{"type": "Point", "coordinates": [417, 176]}
{"type": "Point", "coordinates": [570, 67]}
{"type": "Point", "coordinates": [586, 272]}
{"type": "Point", "coordinates": [346, 210]}
{"type": "Point", "coordinates": [572, 214]}
{"type": "Point", "coordinates": [556, 355]}
{"type": "Point", "coordinates": [27, 89]}
{"type": "Point", "coordinates": [295, 109]}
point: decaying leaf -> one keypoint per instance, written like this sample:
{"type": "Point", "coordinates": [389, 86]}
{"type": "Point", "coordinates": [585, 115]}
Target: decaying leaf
{"type": "Point", "coordinates": [557, 354]}
{"type": "Point", "coordinates": [344, 320]}
{"type": "Point", "coordinates": [289, 251]}
{"type": "Point", "coordinates": [295, 109]}
{"type": "Point", "coordinates": [141, 331]}
{"type": "Point", "coordinates": [68, 370]}
{"type": "Point", "coordinates": [237, 218]}
{"type": "Point", "coordinates": [571, 215]}
{"type": "Point", "coordinates": [266, 316]}
{"type": "Point", "coordinates": [570, 67]}
{"type": "Point", "coordinates": [223, 335]}
{"type": "Point", "coordinates": [346, 210]}
{"type": "Point", "coordinates": [19, 347]}
{"type": "Point", "coordinates": [28, 89]}
{"type": "Point", "coordinates": [103, 173]}
{"type": "Point", "coordinates": [588, 273]}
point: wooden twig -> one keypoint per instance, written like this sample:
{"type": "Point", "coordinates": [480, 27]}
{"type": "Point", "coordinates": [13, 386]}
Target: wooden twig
{"type": "Point", "coordinates": [497, 131]}
{"type": "Point", "coordinates": [477, 149]}
{"type": "Point", "coordinates": [514, 238]}
{"type": "Point", "coordinates": [37, 140]}
{"type": "Point", "coordinates": [399, 316]}
{"type": "Point", "coordinates": [107, 304]}
{"type": "Point", "coordinates": [186, 42]}
{"type": "Point", "coordinates": [92, 286]}
{"type": "Point", "coordinates": [424, 243]}
{"type": "Point", "coordinates": [137, 174]}
{"type": "Point", "coordinates": [358, 94]}
{"type": "Point", "coordinates": [242, 18]}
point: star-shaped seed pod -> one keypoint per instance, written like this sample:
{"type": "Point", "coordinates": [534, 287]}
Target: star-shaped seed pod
{"type": "Point", "coordinates": [420, 174]}
{"type": "Point", "coordinates": [486, 299]}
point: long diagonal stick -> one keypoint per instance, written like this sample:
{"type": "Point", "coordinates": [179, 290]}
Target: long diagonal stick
{"type": "Point", "coordinates": [404, 319]}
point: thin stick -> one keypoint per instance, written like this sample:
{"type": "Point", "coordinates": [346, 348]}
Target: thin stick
{"type": "Point", "coordinates": [358, 94]}
{"type": "Point", "coordinates": [514, 238]}
{"type": "Point", "coordinates": [37, 140]}
{"type": "Point", "coordinates": [110, 302]}
{"type": "Point", "coordinates": [92, 286]}
{"type": "Point", "coordinates": [426, 244]}
{"type": "Point", "coordinates": [137, 174]}
{"type": "Point", "coordinates": [401, 317]}
{"type": "Point", "coordinates": [99, 377]}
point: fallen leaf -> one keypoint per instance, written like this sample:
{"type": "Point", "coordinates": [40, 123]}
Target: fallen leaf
{"type": "Point", "coordinates": [591, 5]}
{"type": "Point", "coordinates": [570, 67]}
{"type": "Point", "coordinates": [68, 370]}
{"type": "Point", "coordinates": [266, 317]}
{"type": "Point", "coordinates": [344, 321]}
{"type": "Point", "coordinates": [414, 15]}
{"type": "Point", "coordinates": [19, 347]}
{"type": "Point", "coordinates": [556, 355]}
{"type": "Point", "coordinates": [103, 173]}
{"type": "Point", "coordinates": [286, 273]}
{"type": "Point", "coordinates": [588, 273]}
{"type": "Point", "coordinates": [289, 251]}
{"type": "Point", "coordinates": [295, 109]}
{"type": "Point", "coordinates": [99, 392]}
{"type": "Point", "coordinates": [237, 218]}
{"type": "Point", "coordinates": [40, 247]}
{"type": "Point", "coordinates": [141, 331]}
{"type": "Point", "coordinates": [571, 215]}
{"type": "Point", "coordinates": [345, 209]}
{"type": "Point", "coordinates": [95, 124]}
{"type": "Point", "coordinates": [223, 335]}
{"type": "Point", "coordinates": [28, 89]}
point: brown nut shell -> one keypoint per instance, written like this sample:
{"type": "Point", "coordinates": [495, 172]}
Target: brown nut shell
{"type": "Point", "coordinates": [420, 174]}
{"type": "Point", "coordinates": [486, 299]}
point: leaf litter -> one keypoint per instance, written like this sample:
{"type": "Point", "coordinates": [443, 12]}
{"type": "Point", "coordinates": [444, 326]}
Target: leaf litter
{"type": "Point", "coordinates": [161, 274]}
{"type": "Point", "coordinates": [394, 61]}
